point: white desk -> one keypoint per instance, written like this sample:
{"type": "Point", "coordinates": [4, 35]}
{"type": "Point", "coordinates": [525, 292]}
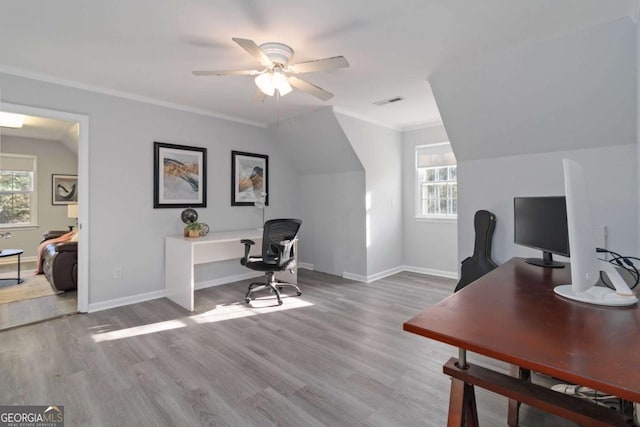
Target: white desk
{"type": "Point", "coordinates": [183, 253]}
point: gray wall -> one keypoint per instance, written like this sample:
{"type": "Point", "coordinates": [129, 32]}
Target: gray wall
{"type": "Point", "coordinates": [611, 174]}
{"type": "Point", "coordinates": [125, 229]}
{"type": "Point", "coordinates": [52, 158]}
{"type": "Point", "coordinates": [573, 92]}
{"type": "Point", "coordinates": [512, 117]}
{"type": "Point", "coordinates": [380, 152]}
{"type": "Point", "coordinates": [333, 211]}
{"type": "Point", "coordinates": [430, 246]}
{"type": "Point", "coordinates": [332, 191]}
{"type": "Point", "coordinates": [638, 117]}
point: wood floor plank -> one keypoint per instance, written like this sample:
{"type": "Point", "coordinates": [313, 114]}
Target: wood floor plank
{"type": "Point", "coordinates": [335, 356]}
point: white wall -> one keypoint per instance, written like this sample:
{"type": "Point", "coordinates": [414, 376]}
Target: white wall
{"type": "Point", "coordinates": [333, 210]}
{"type": "Point", "coordinates": [512, 117]}
{"type": "Point", "coordinates": [379, 149]}
{"type": "Point", "coordinates": [125, 229]}
{"type": "Point", "coordinates": [52, 158]}
{"type": "Point", "coordinates": [491, 184]}
{"type": "Point", "coordinates": [332, 190]}
{"type": "Point", "coordinates": [638, 117]}
{"type": "Point", "coordinates": [430, 246]}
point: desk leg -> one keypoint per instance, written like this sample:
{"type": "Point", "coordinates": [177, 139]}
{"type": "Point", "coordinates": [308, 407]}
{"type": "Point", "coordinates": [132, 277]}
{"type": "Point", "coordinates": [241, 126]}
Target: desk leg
{"type": "Point", "coordinates": [462, 405]}
{"type": "Point", "coordinates": [513, 413]}
{"type": "Point", "coordinates": [19, 279]}
{"type": "Point", "coordinates": [178, 273]}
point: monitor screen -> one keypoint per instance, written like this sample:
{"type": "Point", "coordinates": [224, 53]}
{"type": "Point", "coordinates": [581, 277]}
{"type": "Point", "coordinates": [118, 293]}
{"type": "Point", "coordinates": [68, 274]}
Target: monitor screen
{"type": "Point", "coordinates": [541, 223]}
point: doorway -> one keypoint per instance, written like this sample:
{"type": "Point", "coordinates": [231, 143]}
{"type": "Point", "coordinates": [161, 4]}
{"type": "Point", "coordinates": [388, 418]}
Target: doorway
{"type": "Point", "coordinates": [82, 122]}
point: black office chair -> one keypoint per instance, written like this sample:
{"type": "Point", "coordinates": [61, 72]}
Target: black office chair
{"type": "Point", "coordinates": [277, 255]}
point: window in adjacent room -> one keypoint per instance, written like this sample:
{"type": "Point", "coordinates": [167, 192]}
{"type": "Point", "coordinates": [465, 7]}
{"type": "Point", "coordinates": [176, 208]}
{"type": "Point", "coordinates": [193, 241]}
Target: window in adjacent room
{"type": "Point", "coordinates": [436, 182]}
{"type": "Point", "coordinates": [18, 191]}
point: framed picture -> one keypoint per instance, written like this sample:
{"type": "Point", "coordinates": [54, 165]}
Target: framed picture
{"type": "Point", "coordinates": [179, 176]}
{"type": "Point", "coordinates": [249, 178]}
{"type": "Point", "coordinates": [64, 189]}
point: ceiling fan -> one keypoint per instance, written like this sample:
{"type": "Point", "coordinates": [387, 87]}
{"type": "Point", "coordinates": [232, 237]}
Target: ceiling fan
{"type": "Point", "coordinates": [279, 75]}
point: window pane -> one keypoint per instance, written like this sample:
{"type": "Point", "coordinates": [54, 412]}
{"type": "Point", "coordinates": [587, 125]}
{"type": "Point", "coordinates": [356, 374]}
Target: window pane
{"type": "Point", "coordinates": [15, 208]}
{"type": "Point", "coordinates": [437, 189]}
{"type": "Point", "coordinates": [23, 181]}
{"type": "Point", "coordinates": [6, 181]}
{"type": "Point", "coordinates": [431, 174]}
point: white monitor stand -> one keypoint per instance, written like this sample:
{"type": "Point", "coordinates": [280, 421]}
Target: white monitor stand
{"type": "Point", "coordinates": [601, 295]}
{"type": "Point", "coordinates": [585, 266]}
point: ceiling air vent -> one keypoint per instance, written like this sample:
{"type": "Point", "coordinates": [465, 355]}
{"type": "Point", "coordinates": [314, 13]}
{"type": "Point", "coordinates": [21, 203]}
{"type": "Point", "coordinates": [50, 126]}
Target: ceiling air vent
{"type": "Point", "coordinates": [389, 101]}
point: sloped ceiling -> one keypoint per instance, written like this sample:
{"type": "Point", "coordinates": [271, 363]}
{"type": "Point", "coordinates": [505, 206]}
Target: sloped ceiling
{"type": "Point", "coordinates": [316, 143]}
{"type": "Point", "coordinates": [576, 91]}
{"type": "Point", "coordinates": [148, 48]}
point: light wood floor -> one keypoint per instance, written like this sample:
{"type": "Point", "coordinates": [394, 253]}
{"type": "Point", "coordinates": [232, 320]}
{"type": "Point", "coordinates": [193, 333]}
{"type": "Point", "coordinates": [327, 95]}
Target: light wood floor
{"type": "Point", "coordinates": [336, 356]}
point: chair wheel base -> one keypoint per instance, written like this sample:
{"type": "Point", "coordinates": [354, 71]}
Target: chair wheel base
{"type": "Point", "coordinates": [273, 286]}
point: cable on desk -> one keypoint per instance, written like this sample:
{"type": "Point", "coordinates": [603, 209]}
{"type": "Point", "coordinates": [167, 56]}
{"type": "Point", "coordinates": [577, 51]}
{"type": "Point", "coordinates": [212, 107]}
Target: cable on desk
{"type": "Point", "coordinates": [621, 261]}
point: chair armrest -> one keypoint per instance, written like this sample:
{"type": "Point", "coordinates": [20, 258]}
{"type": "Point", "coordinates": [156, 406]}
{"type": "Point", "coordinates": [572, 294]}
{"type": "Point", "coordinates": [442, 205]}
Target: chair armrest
{"type": "Point", "coordinates": [52, 234]}
{"type": "Point", "coordinates": [67, 247]}
{"type": "Point", "coordinates": [247, 247]}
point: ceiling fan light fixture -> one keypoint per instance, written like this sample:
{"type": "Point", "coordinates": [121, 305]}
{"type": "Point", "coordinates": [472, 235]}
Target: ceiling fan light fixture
{"type": "Point", "coordinates": [265, 84]}
{"type": "Point", "coordinates": [281, 82]}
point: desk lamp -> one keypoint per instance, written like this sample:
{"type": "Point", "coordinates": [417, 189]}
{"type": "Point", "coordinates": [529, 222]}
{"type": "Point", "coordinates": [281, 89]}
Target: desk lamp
{"type": "Point", "coordinates": [72, 212]}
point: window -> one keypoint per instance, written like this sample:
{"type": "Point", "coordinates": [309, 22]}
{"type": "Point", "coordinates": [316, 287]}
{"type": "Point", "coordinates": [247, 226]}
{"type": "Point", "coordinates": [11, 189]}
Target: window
{"type": "Point", "coordinates": [436, 182]}
{"type": "Point", "coordinates": [17, 191]}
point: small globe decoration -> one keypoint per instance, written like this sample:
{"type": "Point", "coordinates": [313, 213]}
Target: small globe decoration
{"type": "Point", "coordinates": [189, 215]}
{"type": "Point", "coordinates": [204, 230]}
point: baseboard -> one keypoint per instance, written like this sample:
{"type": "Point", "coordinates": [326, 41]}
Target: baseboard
{"type": "Point", "coordinates": [372, 277]}
{"type": "Point", "coordinates": [381, 275]}
{"type": "Point", "coordinates": [306, 266]}
{"type": "Point", "coordinates": [134, 299]}
{"type": "Point", "coordinates": [227, 279]}
{"type": "Point", "coordinates": [119, 302]}
{"type": "Point", "coordinates": [431, 272]}
{"type": "Point", "coordinates": [14, 260]}
{"type": "Point", "coordinates": [356, 277]}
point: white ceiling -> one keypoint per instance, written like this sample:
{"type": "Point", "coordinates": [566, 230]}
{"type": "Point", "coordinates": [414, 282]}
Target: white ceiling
{"type": "Point", "coordinates": [149, 48]}
{"type": "Point", "coordinates": [40, 128]}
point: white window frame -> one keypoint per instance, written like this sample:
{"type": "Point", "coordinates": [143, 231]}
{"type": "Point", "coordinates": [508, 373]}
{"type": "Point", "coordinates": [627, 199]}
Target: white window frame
{"type": "Point", "coordinates": [34, 193]}
{"type": "Point", "coordinates": [417, 183]}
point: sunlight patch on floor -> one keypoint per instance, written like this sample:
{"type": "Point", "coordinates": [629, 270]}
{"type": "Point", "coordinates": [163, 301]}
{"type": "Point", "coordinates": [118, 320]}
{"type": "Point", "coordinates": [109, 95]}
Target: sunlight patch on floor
{"type": "Point", "coordinates": [219, 313]}
{"type": "Point", "coordinates": [138, 330]}
{"type": "Point", "coordinates": [257, 306]}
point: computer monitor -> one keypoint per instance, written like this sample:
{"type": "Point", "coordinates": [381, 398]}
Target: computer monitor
{"type": "Point", "coordinates": [585, 266]}
{"type": "Point", "coordinates": [541, 223]}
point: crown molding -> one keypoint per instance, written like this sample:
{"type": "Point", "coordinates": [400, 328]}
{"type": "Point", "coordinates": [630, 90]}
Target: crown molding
{"type": "Point", "coordinates": [424, 125]}
{"type": "Point", "coordinates": [363, 118]}
{"type": "Point", "coordinates": [5, 69]}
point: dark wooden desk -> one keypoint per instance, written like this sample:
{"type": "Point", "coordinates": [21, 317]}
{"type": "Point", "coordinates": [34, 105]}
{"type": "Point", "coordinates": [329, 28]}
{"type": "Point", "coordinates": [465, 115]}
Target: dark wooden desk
{"type": "Point", "coordinates": [512, 315]}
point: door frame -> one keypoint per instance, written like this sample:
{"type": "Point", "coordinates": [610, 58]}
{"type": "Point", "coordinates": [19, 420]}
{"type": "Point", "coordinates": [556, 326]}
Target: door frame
{"type": "Point", "coordinates": [83, 189]}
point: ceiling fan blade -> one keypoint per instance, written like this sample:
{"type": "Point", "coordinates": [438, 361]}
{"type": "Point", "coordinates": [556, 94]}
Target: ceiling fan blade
{"type": "Point", "coordinates": [254, 50]}
{"type": "Point", "coordinates": [311, 89]}
{"type": "Point", "coordinates": [259, 96]}
{"type": "Point", "coordinates": [320, 65]}
{"type": "Point", "coordinates": [225, 72]}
